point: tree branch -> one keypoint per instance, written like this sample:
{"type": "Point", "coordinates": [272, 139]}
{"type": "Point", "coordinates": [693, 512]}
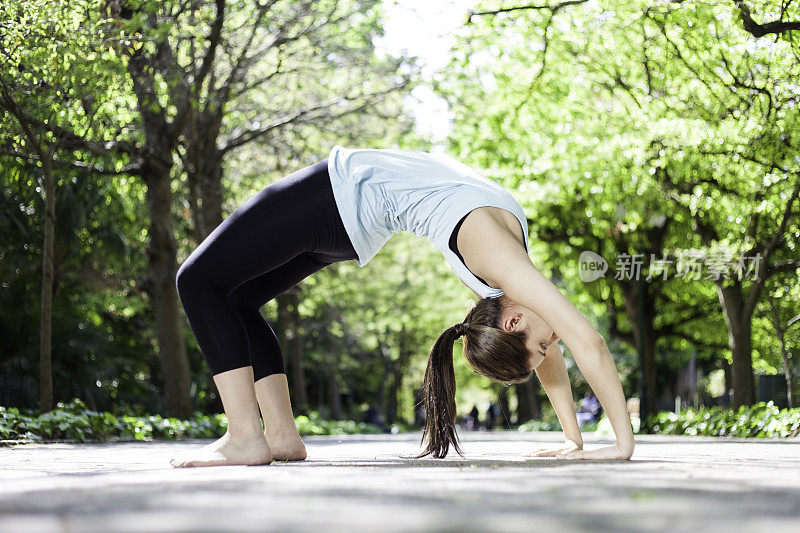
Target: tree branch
{"type": "Point", "coordinates": [241, 59]}
{"type": "Point", "coordinates": [250, 135]}
{"type": "Point", "coordinates": [668, 329]}
{"type": "Point", "coordinates": [131, 168]}
{"type": "Point", "coordinates": [11, 104]}
{"type": "Point", "coordinates": [72, 141]}
{"type": "Point", "coordinates": [208, 61]}
{"type": "Point", "coordinates": [697, 342]}
{"type": "Point", "coordinates": [552, 8]}
{"type": "Point", "coordinates": [760, 30]}
{"type": "Point", "coordinates": [770, 246]}
{"type": "Point", "coordinates": [787, 266]}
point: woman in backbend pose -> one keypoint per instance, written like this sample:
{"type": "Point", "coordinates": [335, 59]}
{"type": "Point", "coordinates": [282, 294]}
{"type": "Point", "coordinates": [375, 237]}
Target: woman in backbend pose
{"type": "Point", "coordinates": [347, 207]}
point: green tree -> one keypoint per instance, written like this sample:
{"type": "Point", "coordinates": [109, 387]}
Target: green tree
{"type": "Point", "coordinates": [39, 92]}
{"type": "Point", "coordinates": [605, 124]}
{"type": "Point", "coordinates": [152, 69]}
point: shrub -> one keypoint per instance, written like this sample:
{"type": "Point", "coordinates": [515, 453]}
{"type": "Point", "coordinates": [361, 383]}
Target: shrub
{"type": "Point", "coordinates": [540, 425]}
{"type": "Point", "coordinates": [75, 421]}
{"type": "Point", "coordinates": [762, 420]}
{"type": "Point", "coordinates": [313, 424]}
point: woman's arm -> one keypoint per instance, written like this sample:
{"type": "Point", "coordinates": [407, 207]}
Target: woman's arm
{"type": "Point", "coordinates": [501, 260]}
{"type": "Point", "coordinates": [552, 373]}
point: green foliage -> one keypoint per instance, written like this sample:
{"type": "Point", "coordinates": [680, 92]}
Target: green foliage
{"type": "Point", "coordinates": [68, 65]}
{"type": "Point", "coordinates": [313, 424]}
{"type": "Point", "coordinates": [762, 420]}
{"type": "Point", "coordinates": [540, 425]}
{"type": "Point", "coordinates": [74, 421]}
{"type": "Point", "coordinates": [637, 128]}
{"type": "Point", "coordinates": [601, 119]}
{"type": "Point", "coordinates": [547, 422]}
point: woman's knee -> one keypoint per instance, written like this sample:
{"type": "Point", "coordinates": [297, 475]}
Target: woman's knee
{"type": "Point", "coordinates": [188, 275]}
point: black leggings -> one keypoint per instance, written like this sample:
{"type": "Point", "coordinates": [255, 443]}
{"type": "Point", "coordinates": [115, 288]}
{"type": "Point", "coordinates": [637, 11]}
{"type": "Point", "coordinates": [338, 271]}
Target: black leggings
{"type": "Point", "coordinates": [283, 234]}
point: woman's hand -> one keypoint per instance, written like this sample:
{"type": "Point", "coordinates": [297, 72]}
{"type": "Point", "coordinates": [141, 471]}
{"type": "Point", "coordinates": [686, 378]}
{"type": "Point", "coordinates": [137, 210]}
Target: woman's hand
{"type": "Point", "coordinates": [605, 453]}
{"type": "Point", "coordinates": [569, 446]}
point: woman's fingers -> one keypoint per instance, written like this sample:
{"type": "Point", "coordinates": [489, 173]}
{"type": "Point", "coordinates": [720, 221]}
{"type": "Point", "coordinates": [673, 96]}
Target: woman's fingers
{"type": "Point", "coordinates": [607, 452]}
{"type": "Point", "coordinates": [574, 454]}
{"type": "Point", "coordinates": [549, 452]}
{"type": "Point", "coordinates": [544, 452]}
{"type": "Point", "coordinates": [562, 452]}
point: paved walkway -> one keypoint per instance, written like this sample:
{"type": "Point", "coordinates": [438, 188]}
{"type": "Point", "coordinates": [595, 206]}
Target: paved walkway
{"type": "Point", "coordinates": [360, 483]}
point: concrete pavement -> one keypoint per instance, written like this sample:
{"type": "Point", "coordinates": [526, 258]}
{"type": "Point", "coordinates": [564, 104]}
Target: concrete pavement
{"type": "Point", "coordinates": [361, 483]}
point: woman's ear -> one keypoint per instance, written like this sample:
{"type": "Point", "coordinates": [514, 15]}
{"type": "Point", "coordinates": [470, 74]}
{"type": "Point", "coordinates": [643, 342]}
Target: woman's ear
{"type": "Point", "coordinates": [511, 322]}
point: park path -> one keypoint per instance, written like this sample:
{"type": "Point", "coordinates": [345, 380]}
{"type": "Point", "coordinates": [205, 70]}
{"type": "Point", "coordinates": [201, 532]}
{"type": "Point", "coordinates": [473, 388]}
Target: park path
{"type": "Point", "coordinates": [360, 483]}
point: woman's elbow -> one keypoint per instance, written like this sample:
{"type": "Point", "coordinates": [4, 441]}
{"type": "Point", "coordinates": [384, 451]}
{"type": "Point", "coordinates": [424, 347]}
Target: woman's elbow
{"type": "Point", "coordinates": [595, 343]}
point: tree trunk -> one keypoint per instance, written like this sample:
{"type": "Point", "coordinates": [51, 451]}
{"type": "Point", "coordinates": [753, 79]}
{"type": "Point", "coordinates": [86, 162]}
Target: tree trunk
{"type": "Point", "coordinates": [160, 139]}
{"type": "Point", "coordinates": [45, 330]}
{"type": "Point", "coordinates": [399, 368]}
{"type": "Point", "coordinates": [631, 292]}
{"type": "Point", "coordinates": [386, 363]}
{"type": "Point", "coordinates": [289, 307]}
{"type": "Point", "coordinates": [786, 356]}
{"type": "Point", "coordinates": [203, 166]}
{"type": "Point", "coordinates": [739, 322]}
{"type": "Point", "coordinates": [788, 372]}
{"type": "Point", "coordinates": [214, 404]}
{"type": "Point", "coordinates": [397, 383]}
{"type": "Point", "coordinates": [198, 228]}
{"type": "Point", "coordinates": [320, 378]}
{"type": "Point", "coordinates": [211, 194]}
{"type": "Point", "coordinates": [528, 407]}
{"type": "Point", "coordinates": [162, 270]}
{"type": "Point", "coordinates": [728, 374]}
{"type": "Point", "coordinates": [204, 177]}
{"type": "Point", "coordinates": [334, 397]}
{"type": "Point", "coordinates": [502, 399]}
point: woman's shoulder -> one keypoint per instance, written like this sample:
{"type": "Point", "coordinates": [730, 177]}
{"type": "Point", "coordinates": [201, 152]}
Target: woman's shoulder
{"type": "Point", "coordinates": [500, 216]}
{"type": "Point", "coordinates": [487, 222]}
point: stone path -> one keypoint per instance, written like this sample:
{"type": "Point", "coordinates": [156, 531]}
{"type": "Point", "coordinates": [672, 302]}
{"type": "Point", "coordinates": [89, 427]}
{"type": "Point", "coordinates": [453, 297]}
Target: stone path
{"type": "Point", "coordinates": [361, 483]}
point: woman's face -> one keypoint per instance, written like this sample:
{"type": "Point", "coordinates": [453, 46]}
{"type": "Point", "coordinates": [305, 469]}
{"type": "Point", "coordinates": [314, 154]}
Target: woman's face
{"type": "Point", "coordinates": [518, 318]}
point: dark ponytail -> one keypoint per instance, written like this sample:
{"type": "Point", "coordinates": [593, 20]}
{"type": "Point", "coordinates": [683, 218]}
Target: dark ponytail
{"type": "Point", "coordinates": [493, 352]}
{"type": "Point", "coordinates": [439, 391]}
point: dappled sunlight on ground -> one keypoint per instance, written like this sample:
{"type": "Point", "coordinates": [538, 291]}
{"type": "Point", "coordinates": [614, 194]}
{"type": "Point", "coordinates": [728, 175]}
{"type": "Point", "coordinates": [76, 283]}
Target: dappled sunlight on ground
{"type": "Point", "coordinates": [364, 483]}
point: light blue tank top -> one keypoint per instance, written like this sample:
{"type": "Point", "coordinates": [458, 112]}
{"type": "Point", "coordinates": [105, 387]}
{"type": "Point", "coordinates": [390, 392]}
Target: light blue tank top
{"type": "Point", "coordinates": [382, 192]}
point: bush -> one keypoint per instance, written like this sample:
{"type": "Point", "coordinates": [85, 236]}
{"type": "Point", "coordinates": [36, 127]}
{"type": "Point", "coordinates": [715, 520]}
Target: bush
{"type": "Point", "coordinates": [74, 421]}
{"type": "Point", "coordinates": [540, 425]}
{"type": "Point", "coordinates": [314, 425]}
{"type": "Point", "coordinates": [547, 422]}
{"type": "Point", "coordinates": [762, 420]}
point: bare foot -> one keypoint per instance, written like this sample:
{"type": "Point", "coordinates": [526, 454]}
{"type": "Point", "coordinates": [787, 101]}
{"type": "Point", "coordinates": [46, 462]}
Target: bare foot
{"type": "Point", "coordinates": [287, 449]}
{"type": "Point", "coordinates": [229, 450]}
